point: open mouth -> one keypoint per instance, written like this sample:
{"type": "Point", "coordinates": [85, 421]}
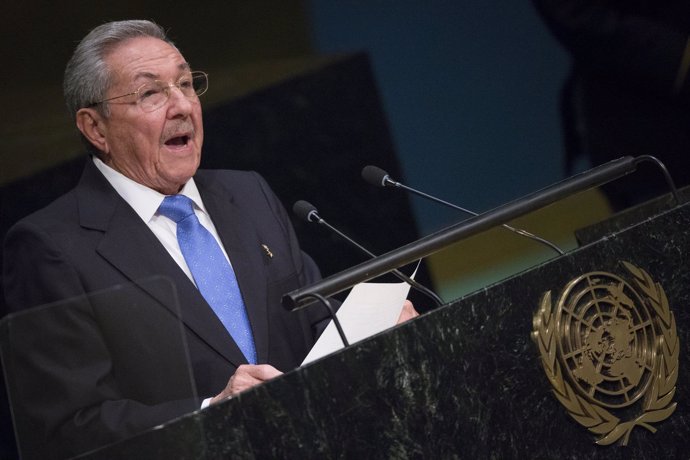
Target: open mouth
{"type": "Point", "coordinates": [177, 141]}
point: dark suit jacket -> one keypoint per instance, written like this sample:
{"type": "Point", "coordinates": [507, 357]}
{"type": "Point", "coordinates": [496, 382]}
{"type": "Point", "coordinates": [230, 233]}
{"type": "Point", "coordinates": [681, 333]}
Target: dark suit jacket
{"type": "Point", "coordinates": [91, 369]}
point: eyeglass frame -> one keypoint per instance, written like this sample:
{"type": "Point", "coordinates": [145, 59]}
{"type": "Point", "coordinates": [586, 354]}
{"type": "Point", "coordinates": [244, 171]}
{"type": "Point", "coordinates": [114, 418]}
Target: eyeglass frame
{"type": "Point", "coordinates": [166, 87]}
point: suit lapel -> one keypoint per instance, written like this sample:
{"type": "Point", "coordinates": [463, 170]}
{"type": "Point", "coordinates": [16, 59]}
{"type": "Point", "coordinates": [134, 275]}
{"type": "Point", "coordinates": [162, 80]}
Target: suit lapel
{"type": "Point", "coordinates": [239, 237]}
{"type": "Point", "coordinates": [148, 264]}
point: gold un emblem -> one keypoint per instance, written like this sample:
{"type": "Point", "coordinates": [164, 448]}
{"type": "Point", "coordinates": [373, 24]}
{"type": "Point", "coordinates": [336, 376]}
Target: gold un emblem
{"type": "Point", "coordinates": [610, 351]}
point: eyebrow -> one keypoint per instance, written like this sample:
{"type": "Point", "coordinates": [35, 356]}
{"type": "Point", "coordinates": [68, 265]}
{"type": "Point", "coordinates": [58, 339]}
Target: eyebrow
{"type": "Point", "coordinates": [152, 76]}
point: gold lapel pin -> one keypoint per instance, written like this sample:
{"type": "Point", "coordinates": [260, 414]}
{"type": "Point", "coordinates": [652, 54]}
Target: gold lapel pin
{"type": "Point", "coordinates": [267, 251]}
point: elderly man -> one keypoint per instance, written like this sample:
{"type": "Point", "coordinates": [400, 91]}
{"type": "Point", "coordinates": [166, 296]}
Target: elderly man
{"type": "Point", "coordinates": [108, 363]}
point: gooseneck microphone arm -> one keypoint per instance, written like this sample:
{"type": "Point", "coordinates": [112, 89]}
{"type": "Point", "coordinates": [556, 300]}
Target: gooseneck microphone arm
{"type": "Point", "coordinates": [435, 242]}
{"type": "Point", "coordinates": [308, 212]}
{"type": "Point", "coordinates": [667, 176]}
{"type": "Point", "coordinates": [334, 317]}
{"type": "Point", "coordinates": [380, 178]}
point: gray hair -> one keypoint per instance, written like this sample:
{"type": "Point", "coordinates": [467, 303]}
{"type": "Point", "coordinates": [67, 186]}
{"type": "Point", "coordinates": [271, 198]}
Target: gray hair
{"type": "Point", "coordinates": [87, 77]}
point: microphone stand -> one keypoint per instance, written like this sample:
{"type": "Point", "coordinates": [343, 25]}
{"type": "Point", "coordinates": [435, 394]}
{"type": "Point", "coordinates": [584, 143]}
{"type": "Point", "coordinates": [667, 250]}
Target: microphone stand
{"type": "Point", "coordinates": [334, 317]}
{"type": "Point", "coordinates": [308, 212]}
{"type": "Point", "coordinates": [519, 231]}
{"type": "Point", "coordinates": [474, 225]}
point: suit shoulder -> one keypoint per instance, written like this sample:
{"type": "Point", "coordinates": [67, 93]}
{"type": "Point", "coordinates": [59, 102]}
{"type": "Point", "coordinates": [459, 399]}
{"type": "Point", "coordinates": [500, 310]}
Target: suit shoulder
{"type": "Point", "coordinates": [227, 175]}
{"type": "Point", "coordinates": [232, 180]}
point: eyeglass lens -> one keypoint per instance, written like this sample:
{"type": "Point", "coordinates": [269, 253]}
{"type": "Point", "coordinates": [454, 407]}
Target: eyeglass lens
{"type": "Point", "coordinates": [153, 95]}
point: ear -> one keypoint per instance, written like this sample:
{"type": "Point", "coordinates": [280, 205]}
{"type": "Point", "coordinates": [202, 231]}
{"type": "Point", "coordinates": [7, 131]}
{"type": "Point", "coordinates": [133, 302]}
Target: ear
{"type": "Point", "coordinates": [92, 126]}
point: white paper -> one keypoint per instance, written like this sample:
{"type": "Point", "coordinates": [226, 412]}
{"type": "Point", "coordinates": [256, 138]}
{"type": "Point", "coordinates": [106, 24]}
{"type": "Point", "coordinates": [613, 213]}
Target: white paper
{"type": "Point", "coordinates": [369, 309]}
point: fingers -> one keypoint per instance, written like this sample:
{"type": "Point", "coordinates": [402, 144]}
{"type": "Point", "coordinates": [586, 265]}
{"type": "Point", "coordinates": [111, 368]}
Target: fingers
{"type": "Point", "coordinates": [407, 313]}
{"type": "Point", "coordinates": [245, 377]}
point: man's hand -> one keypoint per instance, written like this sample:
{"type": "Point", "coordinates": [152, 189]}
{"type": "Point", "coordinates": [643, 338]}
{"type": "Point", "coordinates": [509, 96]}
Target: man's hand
{"type": "Point", "coordinates": [248, 375]}
{"type": "Point", "coordinates": [245, 377]}
{"type": "Point", "coordinates": [408, 312]}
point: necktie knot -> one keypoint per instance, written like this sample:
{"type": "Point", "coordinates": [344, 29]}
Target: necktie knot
{"type": "Point", "coordinates": [176, 207]}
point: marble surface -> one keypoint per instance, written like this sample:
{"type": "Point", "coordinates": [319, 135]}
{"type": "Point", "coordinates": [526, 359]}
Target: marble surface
{"type": "Point", "coordinates": [462, 381]}
{"type": "Point", "coordinates": [631, 216]}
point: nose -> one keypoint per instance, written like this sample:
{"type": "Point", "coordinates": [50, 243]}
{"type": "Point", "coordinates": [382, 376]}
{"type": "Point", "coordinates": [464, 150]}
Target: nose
{"type": "Point", "coordinates": [178, 103]}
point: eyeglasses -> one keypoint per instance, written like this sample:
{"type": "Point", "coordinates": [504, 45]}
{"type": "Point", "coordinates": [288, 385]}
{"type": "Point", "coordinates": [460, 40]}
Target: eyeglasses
{"type": "Point", "coordinates": [153, 95]}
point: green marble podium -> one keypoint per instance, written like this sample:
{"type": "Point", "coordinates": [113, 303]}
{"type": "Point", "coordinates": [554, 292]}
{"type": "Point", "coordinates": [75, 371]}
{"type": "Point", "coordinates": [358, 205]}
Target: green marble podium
{"type": "Point", "coordinates": [463, 381]}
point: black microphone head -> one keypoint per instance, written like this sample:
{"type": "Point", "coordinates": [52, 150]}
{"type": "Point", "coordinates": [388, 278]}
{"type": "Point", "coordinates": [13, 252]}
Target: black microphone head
{"type": "Point", "coordinates": [375, 176]}
{"type": "Point", "coordinates": [305, 210]}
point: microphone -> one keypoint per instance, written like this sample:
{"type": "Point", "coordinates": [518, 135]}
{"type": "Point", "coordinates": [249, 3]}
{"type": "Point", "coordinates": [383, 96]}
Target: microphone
{"type": "Point", "coordinates": [380, 178]}
{"type": "Point", "coordinates": [308, 212]}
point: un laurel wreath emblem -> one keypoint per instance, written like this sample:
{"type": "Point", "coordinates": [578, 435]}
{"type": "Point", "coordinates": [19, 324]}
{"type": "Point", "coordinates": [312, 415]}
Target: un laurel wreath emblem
{"type": "Point", "coordinates": [610, 350]}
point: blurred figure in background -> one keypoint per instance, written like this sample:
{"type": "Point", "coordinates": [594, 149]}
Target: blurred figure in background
{"type": "Point", "coordinates": [628, 93]}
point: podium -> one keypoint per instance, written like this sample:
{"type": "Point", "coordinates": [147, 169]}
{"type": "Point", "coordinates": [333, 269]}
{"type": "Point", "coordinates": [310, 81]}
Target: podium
{"type": "Point", "coordinates": [468, 380]}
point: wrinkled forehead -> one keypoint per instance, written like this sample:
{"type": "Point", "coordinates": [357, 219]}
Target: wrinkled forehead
{"type": "Point", "coordinates": [144, 58]}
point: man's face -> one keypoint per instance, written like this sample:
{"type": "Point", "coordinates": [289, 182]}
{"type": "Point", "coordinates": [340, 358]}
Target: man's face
{"type": "Point", "coordinates": [159, 149]}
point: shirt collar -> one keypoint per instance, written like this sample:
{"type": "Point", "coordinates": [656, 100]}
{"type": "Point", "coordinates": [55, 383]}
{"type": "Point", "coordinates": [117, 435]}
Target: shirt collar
{"type": "Point", "coordinates": [144, 200]}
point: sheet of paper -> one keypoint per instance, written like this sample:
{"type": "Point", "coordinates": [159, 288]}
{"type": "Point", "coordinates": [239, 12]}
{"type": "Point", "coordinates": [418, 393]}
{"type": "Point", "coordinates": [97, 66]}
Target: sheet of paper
{"type": "Point", "coordinates": [368, 309]}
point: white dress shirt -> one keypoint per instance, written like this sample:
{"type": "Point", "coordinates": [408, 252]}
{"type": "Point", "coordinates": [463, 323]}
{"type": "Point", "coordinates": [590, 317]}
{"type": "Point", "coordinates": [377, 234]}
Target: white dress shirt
{"type": "Point", "coordinates": [145, 202]}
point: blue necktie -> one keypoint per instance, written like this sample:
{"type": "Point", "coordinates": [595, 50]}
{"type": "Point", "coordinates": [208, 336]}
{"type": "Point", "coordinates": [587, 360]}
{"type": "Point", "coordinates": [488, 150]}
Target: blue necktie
{"type": "Point", "coordinates": [211, 271]}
